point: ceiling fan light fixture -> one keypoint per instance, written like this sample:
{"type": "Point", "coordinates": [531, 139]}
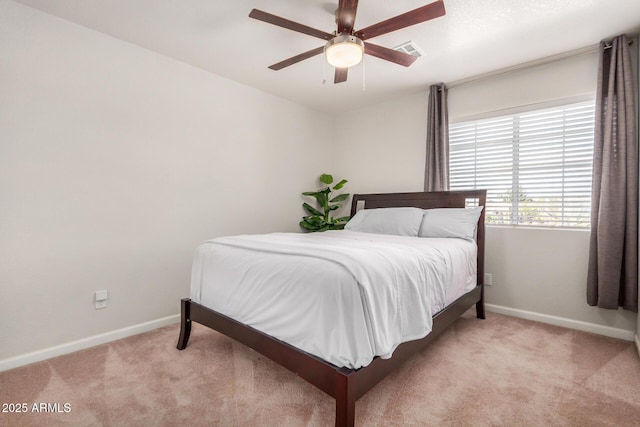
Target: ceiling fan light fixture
{"type": "Point", "coordinates": [344, 51]}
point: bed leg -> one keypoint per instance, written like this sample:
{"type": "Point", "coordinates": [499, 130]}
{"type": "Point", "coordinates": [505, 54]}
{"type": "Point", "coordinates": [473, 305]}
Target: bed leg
{"type": "Point", "coordinates": [345, 399]}
{"type": "Point", "coordinates": [480, 310]}
{"type": "Point", "coordinates": [480, 305]}
{"type": "Point", "coordinates": [185, 324]}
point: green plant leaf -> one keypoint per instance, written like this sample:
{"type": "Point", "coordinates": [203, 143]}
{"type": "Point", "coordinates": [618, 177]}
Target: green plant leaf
{"type": "Point", "coordinates": [334, 207]}
{"type": "Point", "coordinates": [337, 226]}
{"type": "Point", "coordinates": [343, 219]}
{"type": "Point", "coordinates": [311, 209]}
{"type": "Point", "coordinates": [326, 178]}
{"type": "Point", "coordinates": [322, 198]}
{"type": "Point", "coordinates": [307, 226]}
{"type": "Point", "coordinates": [340, 198]}
{"type": "Point", "coordinates": [309, 193]}
{"type": "Point", "coordinates": [339, 185]}
{"type": "Point", "coordinates": [314, 220]}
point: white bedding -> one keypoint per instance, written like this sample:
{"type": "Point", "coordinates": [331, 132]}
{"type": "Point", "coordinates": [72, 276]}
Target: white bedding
{"type": "Point", "coordinates": [343, 296]}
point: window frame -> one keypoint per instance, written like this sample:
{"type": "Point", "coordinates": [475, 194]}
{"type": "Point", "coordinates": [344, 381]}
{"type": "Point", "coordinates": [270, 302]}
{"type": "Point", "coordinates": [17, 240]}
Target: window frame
{"type": "Point", "coordinates": [514, 113]}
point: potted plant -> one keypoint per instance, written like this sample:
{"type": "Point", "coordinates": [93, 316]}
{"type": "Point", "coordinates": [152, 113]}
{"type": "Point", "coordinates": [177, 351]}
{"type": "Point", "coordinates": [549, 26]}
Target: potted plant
{"type": "Point", "coordinates": [320, 219]}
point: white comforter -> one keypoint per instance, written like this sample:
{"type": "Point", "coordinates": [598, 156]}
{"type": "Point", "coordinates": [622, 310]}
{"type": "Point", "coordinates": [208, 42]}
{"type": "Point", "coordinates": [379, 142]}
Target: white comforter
{"type": "Point", "coordinates": [343, 296]}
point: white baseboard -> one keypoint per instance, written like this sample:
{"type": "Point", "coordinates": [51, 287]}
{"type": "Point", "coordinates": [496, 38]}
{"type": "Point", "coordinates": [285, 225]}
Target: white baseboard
{"type": "Point", "coordinates": [608, 331]}
{"type": "Point", "coordinates": [48, 353]}
{"type": "Point", "coordinates": [70, 347]}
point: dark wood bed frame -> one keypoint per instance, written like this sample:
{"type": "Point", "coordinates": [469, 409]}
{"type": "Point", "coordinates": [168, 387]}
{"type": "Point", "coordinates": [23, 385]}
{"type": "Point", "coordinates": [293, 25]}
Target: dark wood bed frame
{"type": "Point", "coordinates": [344, 384]}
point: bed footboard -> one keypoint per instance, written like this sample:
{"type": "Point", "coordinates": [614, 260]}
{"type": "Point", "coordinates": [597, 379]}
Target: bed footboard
{"type": "Point", "coordinates": [345, 385]}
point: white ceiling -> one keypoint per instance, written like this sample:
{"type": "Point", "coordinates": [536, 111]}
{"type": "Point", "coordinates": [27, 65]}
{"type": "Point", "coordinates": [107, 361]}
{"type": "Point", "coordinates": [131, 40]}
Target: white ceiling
{"type": "Point", "coordinates": [474, 37]}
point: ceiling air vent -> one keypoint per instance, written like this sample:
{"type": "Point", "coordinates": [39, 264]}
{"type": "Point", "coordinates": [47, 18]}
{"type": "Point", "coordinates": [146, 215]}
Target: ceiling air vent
{"type": "Point", "coordinates": [411, 48]}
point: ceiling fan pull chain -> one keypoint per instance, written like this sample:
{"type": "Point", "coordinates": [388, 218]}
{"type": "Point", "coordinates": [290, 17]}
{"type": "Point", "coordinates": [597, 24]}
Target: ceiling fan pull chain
{"type": "Point", "coordinates": [324, 72]}
{"type": "Point", "coordinates": [363, 75]}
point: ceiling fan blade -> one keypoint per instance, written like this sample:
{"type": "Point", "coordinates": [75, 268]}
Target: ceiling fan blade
{"type": "Point", "coordinates": [290, 25]}
{"type": "Point", "coordinates": [346, 15]}
{"type": "Point", "coordinates": [295, 59]}
{"type": "Point", "coordinates": [341, 75]}
{"type": "Point", "coordinates": [416, 16]}
{"type": "Point", "coordinates": [385, 53]}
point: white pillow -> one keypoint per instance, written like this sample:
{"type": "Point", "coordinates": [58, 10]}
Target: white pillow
{"type": "Point", "coordinates": [450, 222]}
{"type": "Point", "coordinates": [397, 221]}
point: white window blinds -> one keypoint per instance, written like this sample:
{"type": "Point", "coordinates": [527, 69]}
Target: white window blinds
{"type": "Point", "coordinates": [535, 165]}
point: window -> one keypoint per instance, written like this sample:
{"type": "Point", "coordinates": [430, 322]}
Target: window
{"type": "Point", "coordinates": [536, 165]}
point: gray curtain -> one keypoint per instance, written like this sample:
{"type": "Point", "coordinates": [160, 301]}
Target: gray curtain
{"type": "Point", "coordinates": [436, 177]}
{"type": "Point", "coordinates": [612, 279]}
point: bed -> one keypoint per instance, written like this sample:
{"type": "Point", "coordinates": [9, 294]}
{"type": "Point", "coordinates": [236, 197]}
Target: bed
{"type": "Point", "coordinates": [345, 377]}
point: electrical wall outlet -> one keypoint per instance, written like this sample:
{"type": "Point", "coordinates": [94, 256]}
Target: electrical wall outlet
{"type": "Point", "coordinates": [488, 279]}
{"type": "Point", "coordinates": [101, 299]}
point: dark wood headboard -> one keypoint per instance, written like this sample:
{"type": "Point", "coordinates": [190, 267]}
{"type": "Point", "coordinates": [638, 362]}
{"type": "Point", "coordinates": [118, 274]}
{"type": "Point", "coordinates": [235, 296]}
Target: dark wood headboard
{"type": "Point", "coordinates": [431, 200]}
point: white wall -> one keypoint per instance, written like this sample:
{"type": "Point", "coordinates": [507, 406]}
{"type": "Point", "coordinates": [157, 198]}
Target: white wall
{"type": "Point", "coordinates": [382, 147]}
{"type": "Point", "coordinates": [115, 162]}
{"type": "Point", "coordinates": [570, 77]}
{"type": "Point", "coordinates": [537, 273]}
{"type": "Point", "coordinates": [542, 275]}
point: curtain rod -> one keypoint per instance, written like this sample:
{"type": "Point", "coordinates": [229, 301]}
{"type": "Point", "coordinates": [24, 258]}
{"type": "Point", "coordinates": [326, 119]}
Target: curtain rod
{"type": "Point", "coordinates": [608, 45]}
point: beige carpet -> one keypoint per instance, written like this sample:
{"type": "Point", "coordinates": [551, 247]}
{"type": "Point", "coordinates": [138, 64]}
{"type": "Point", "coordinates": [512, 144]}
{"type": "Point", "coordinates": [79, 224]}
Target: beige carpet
{"type": "Point", "coordinates": [498, 372]}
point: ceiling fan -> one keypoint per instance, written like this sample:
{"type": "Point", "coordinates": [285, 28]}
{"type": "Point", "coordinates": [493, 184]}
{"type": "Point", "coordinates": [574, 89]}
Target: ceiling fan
{"type": "Point", "coordinates": [345, 47]}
